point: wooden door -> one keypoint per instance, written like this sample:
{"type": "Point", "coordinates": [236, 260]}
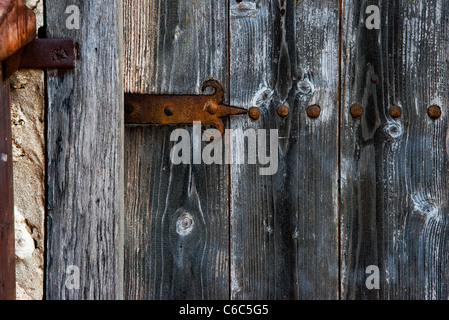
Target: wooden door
{"type": "Point", "coordinates": [394, 168]}
{"type": "Point", "coordinates": [251, 236]}
{"type": "Point", "coordinates": [352, 190]}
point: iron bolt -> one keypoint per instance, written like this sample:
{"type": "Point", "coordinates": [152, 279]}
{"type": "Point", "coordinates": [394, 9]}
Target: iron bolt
{"type": "Point", "coordinates": [283, 111]}
{"type": "Point", "coordinates": [212, 108]}
{"type": "Point", "coordinates": [314, 111]}
{"type": "Point", "coordinates": [168, 111]}
{"type": "Point", "coordinates": [254, 113]}
{"type": "Point", "coordinates": [434, 112]}
{"type": "Point", "coordinates": [129, 108]}
{"type": "Point", "coordinates": [395, 111]}
{"type": "Point", "coordinates": [356, 110]}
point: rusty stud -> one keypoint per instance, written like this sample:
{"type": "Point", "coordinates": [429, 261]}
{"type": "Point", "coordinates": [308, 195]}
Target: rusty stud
{"type": "Point", "coordinates": [168, 111]}
{"type": "Point", "coordinates": [212, 108]}
{"type": "Point", "coordinates": [395, 111]}
{"type": "Point", "coordinates": [283, 111]}
{"type": "Point", "coordinates": [129, 108]}
{"type": "Point", "coordinates": [356, 110]}
{"type": "Point", "coordinates": [374, 80]}
{"type": "Point", "coordinates": [254, 113]}
{"type": "Point", "coordinates": [314, 111]}
{"type": "Point", "coordinates": [434, 112]}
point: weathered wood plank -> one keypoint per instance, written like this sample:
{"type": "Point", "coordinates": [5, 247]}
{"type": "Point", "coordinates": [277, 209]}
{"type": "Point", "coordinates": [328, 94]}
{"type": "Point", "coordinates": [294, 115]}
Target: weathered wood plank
{"type": "Point", "coordinates": [394, 171]}
{"type": "Point", "coordinates": [285, 227]}
{"type": "Point", "coordinates": [7, 256]}
{"type": "Point", "coordinates": [85, 156]}
{"type": "Point", "coordinates": [176, 244]}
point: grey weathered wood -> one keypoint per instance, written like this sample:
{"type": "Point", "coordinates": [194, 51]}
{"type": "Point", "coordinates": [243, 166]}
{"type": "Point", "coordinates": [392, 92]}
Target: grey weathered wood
{"type": "Point", "coordinates": [171, 47]}
{"type": "Point", "coordinates": [84, 154]}
{"type": "Point", "coordinates": [395, 171]}
{"type": "Point", "coordinates": [284, 228]}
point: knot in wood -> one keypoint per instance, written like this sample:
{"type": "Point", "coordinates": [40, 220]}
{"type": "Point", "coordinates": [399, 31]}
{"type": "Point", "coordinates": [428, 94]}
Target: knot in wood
{"type": "Point", "coordinates": [184, 225]}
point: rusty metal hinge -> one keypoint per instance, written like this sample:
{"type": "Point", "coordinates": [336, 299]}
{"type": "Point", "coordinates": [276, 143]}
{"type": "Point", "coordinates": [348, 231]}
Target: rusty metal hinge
{"type": "Point", "coordinates": [180, 109]}
{"type": "Point", "coordinates": [42, 54]}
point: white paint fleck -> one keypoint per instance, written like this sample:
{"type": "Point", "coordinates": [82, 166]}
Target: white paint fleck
{"type": "Point", "coordinates": [177, 33]}
{"type": "Point", "coordinates": [4, 157]}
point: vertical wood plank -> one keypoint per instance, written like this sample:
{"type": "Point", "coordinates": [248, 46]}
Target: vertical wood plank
{"type": "Point", "coordinates": [176, 220]}
{"type": "Point", "coordinates": [395, 170]}
{"type": "Point", "coordinates": [284, 228]}
{"type": "Point", "coordinates": [7, 256]}
{"type": "Point", "coordinates": [84, 155]}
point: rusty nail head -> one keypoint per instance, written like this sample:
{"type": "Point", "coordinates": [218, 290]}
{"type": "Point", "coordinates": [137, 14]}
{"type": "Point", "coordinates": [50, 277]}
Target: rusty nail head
{"type": "Point", "coordinates": [129, 108]}
{"type": "Point", "coordinates": [168, 111]}
{"type": "Point", "coordinates": [374, 79]}
{"type": "Point", "coordinates": [395, 111]}
{"type": "Point", "coordinates": [283, 111]}
{"type": "Point", "coordinates": [254, 113]}
{"type": "Point", "coordinates": [212, 108]}
{"type": "Point", "coordinates": [356, 110]}
{"type": "Point", "coordinates": [434, 112]}
{"type": "Point", "coordinates": [314, 111]}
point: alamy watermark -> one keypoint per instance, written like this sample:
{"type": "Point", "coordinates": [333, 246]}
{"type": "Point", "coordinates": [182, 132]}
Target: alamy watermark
{"type": "Point", "coordinates": [227, 149]}
{"type": "Point", "coordinates": [73, 20]}
{"type": "Point", "coordinates": [373, 20]}
{"type": "Point", "coordinates": [373, 280]}
{"type": "Point", "coordinates": [72, 281]}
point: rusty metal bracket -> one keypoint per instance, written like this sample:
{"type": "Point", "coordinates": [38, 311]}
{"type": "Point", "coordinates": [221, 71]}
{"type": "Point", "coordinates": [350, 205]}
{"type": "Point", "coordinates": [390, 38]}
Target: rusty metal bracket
{"type": "Point", "coordinates": [42, 54]}
{"type": "Point", "coordinates": [180, 109]}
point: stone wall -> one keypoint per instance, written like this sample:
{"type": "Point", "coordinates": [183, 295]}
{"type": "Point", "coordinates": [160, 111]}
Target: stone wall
{"type": "Point", "coordinates": [28, 128]}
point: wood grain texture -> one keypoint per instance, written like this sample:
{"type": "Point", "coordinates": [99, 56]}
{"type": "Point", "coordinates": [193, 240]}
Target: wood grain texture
{"type": "Point", "coordinates": [85, 156]}
{"type": "Point", "coordinates": [284, 228]}
{"type": "Point", "coordinates": [395, 171]}
{"type": "Point", "coordinates": [176, 222]}
{"type": "Point", "coordinates": [7, 256]}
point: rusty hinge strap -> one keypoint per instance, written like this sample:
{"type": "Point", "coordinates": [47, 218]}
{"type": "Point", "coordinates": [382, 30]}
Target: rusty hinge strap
{"type": "Point", "coordinates": [42, 54]}
{"type": "Point", "coordinates": [180, 109]}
